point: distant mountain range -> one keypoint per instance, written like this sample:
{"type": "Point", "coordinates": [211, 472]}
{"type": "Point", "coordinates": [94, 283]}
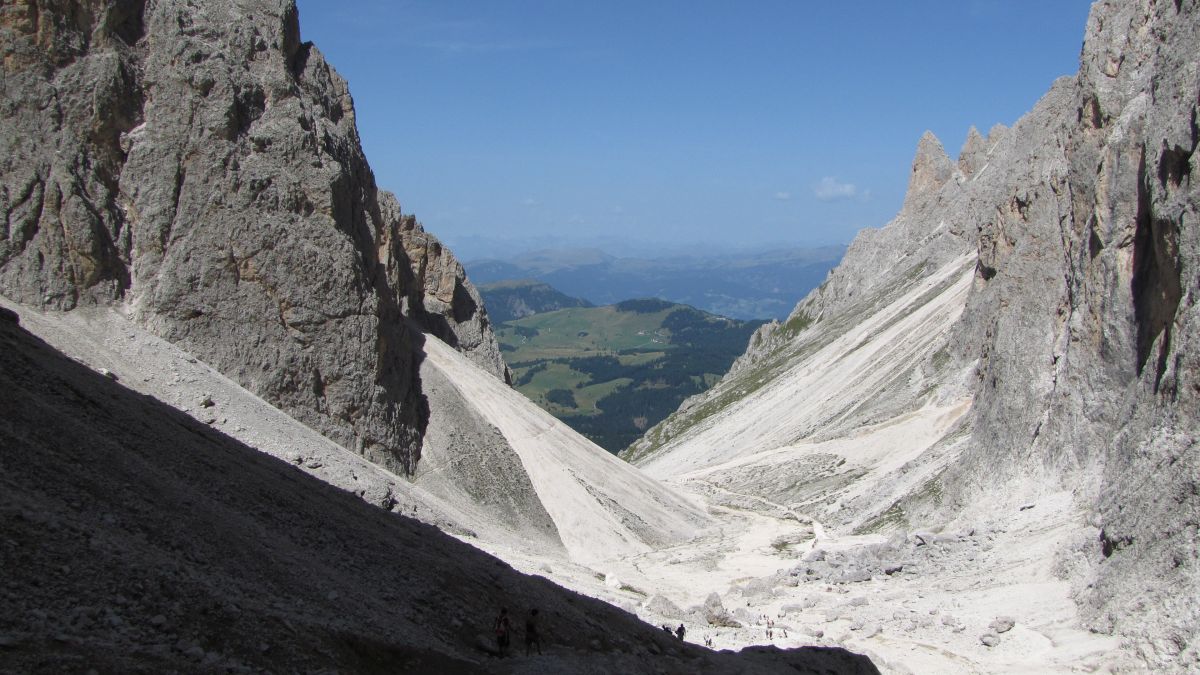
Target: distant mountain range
{"type": "Point", "coordinates": [519, 298]}
{"type": "Point", "coordinates": [612, 372]}
{"type": "Point", "coordinates": [742, 286]}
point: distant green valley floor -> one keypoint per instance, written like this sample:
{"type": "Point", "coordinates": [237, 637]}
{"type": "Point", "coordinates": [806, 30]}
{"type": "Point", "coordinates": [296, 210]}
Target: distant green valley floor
{"type": "Point", "coordinates": [612, 372]}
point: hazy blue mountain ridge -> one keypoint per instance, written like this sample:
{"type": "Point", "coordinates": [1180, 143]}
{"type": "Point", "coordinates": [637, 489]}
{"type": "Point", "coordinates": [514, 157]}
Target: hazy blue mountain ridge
{"type": "Point", "coordinates": [519, 298]}
{"type": "Point", "coordinates": [741, 286]}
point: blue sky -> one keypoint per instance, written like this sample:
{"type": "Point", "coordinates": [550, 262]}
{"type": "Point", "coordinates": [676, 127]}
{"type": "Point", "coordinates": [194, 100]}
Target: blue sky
{"type": "Point", "coordinates": [673, 122]}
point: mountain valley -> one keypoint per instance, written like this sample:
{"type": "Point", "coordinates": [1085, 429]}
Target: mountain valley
{"type": "Point", "coordinates": [612, 372]}
{"type": "Point", "coordinates": [257, 419]}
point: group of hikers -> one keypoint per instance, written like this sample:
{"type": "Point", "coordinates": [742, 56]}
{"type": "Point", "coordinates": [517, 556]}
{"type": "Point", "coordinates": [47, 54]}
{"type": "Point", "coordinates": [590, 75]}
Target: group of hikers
{"type": "Point", "coordinates": [504, 632]}
{"type": "Point", "coordinates": [764, 620]}
{"type": "Point", "coordinates": [533, 639]}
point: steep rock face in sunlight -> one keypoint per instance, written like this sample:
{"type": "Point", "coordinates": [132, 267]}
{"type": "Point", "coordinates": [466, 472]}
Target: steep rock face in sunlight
{"type": "Point", "coordinates": [197, 168]}
{"type": "Point", "coordinates": [200, 164]}
{"type": "Point", "coordinates": [1034, 308]}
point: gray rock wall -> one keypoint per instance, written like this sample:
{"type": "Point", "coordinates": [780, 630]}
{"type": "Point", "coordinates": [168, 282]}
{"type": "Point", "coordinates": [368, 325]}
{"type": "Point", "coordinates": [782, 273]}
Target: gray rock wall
{"type": "Point", "coordinates": [198, 163]}
{"type": "Point", "coordinates": [1078, 343]}
{"type": "Point", "coordinates": [1082, 320]}
{"type": "Point", "coordinates": [1085, 320]}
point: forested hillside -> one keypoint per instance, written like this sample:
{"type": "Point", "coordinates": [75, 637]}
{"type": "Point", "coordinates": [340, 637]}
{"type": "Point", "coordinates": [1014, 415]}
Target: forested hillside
{"type": "Point", "coordinates": [612, 372]}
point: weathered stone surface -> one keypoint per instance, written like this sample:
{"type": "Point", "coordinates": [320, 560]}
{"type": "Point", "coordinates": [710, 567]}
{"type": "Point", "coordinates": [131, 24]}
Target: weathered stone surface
{"type": "Point", "coordinates": [200, 164]}
{"type": "Point", "coordinates": [1077, 347]}
{"type": "Point", "coordinates": [1001, 624]}
{"type": "Point", "coordinates": [715, 613]}
{"type": "Point", "coordinates": [1085, 323]}
{"type": "Point", "coordinates": [931, 168]}
{"type": "Point", "coordinates": [973, 155]}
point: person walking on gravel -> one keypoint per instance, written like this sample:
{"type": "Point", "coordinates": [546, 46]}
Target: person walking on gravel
{"type": "Point", "coordinates": [503, 627]}
{"type": "Point", "coordinates": [532, 637]}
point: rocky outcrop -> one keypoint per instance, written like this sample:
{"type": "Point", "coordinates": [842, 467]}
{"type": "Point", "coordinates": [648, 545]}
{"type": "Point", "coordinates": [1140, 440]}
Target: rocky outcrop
{"type": "Point", "coordinates": [1085, 322]}
{"type": "Point", "coordinates": [199, 164]}
{"type": "Point", "coordinates": [931, 168]}
{"type": "Point", "coordinates": [973, 155]}
{"type": "Point", "coordinates": [442, 300]}
{"type": "Point", "coordinates": [1075, 348]}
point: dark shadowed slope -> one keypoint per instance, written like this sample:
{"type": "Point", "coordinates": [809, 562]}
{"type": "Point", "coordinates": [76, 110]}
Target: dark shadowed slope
{"type": "Point", "coordinates": [138, 540]}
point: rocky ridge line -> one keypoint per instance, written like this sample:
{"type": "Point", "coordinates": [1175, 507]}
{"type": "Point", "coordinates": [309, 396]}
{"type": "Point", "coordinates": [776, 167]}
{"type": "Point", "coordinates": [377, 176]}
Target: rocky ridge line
{"type": "Point", "coordinates": [1077, 344]}
{"type": "Point", "coordinates": [198, 164]}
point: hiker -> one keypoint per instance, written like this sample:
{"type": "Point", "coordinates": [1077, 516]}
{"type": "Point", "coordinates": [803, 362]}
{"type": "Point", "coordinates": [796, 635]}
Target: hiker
{"type": "Point", "coordinates": [531, 633]}
{"type": "Point", "coordinates": [680, 631]}
{"type": "Point", "coordinates": [502, 629]}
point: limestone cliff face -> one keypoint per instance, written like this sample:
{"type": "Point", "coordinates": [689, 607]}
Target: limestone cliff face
{"type": "Point", "coordinates": [199, 164]}
{"type": "Point", "coordinates": [442, 300]}
{"type": "Point", "coordinates": [1075, 347]}
{"type": "Point", "coordinates": [1084, 316]}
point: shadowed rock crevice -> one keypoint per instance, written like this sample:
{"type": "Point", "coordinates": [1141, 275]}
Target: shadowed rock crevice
{"type": "Point", "coordinates": [124, 20]}
{"type": "Point", "coordinates": [1156, 285]}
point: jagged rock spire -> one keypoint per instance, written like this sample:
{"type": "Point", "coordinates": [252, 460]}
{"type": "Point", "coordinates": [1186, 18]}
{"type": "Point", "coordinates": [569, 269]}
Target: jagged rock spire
{"type": "Point", "coordinates": [931, 167]}
{"type": "Point", "coordinates": [973, 154]}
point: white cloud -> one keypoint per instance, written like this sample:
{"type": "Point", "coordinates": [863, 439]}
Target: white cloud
{"type": "Point", "coordinates": [530, 201]}
{"type": "Point", "coordinates": [830, 189]}
{"type": "Point", "coordinates": [783, 196]}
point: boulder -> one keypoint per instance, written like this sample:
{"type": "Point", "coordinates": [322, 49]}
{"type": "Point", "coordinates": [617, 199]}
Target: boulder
{"type": "Point", "coordinates": [716, 614]}
{"type": "Point", "coordinates": [1002, 624]}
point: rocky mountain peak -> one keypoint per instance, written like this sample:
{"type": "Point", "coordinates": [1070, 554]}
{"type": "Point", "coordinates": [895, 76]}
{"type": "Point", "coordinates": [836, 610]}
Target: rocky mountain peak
{"type": "Point", "coordinates": [973, 154]}
{"type": "Point", "coordinates": [931, 167]}
{"type": "Point", "coordinates": [1045, 304]}
{"type": "Point", "coordinates": [200, 165]}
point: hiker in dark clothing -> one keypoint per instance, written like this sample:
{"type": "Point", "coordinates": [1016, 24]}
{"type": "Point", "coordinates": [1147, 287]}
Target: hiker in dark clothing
{"type": "Point", "coordinates": [502, 630]}
{"type": "Point", "coordinates": [531, 633]}
{"type": "Point", "coordinates": [680, 631]}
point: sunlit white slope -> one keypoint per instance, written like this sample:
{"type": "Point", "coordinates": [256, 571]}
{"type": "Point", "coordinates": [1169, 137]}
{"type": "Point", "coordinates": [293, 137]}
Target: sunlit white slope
{"type": "Point", "coordinates": [838, 419]}
{"type": "Point", "coordinates": [827, 388]}
{"type": "Point", "coordinates": [602, 507]}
